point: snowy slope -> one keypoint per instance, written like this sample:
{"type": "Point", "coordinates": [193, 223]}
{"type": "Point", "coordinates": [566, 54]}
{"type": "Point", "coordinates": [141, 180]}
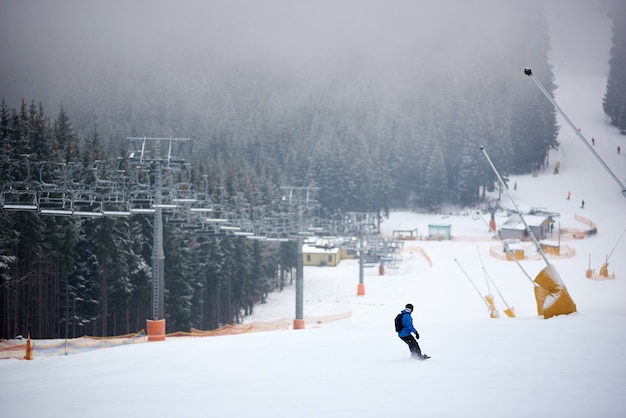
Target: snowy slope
{"type": "Point", "coordinates": [515, 367]}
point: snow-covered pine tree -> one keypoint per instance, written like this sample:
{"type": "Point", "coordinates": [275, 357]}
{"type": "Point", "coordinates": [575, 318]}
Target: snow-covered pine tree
{"type": "Point", "coordinates": [614, 102]}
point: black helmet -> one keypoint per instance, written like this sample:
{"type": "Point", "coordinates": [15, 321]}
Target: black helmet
{"type": "Point", "coordinates": [409, 306]}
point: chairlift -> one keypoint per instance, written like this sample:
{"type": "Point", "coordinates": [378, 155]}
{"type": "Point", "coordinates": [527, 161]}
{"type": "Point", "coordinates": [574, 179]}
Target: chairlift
{"type": "Point", "coordinates": [141, 201]}
{"type": "Point", "coordinates": [55, 201]}
{"type": "Point", "coordinates": [210, 230]}
{"type": "Point", "coordinates": [178, 217]}
{"type": "Point", "coordinates": [19, 195]}
{"type": "Point", "coordinates": [191, 226]}
{"type": "Point", "coordinates": [87, 203]}
{"type": "Point", "coordinates": [115, 204]}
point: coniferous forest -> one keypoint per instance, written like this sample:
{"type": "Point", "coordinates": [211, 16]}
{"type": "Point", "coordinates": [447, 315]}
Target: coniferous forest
{"type": "Point", "coordinates": [388, 117]}
{"type": "Point", "coordinates": [615, 97]}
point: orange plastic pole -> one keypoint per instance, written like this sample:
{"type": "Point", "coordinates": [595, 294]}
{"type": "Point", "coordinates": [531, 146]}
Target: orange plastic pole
{"type": "Point", "coordinates": [29, 349]}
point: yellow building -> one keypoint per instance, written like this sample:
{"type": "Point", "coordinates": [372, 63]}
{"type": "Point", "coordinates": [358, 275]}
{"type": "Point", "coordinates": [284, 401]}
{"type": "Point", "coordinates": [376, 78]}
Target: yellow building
{"type": "Point", "coordinates": [325, 255]}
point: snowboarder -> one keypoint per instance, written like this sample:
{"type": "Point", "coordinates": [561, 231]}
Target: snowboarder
{"type": "Point", "coordinates": [582, 205]}
{"type": "Point", "coordinates": [405, 334]}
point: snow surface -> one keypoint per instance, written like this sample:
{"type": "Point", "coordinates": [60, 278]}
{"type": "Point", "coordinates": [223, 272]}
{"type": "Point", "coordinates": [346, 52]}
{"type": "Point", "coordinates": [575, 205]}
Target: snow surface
{"type": "Point", "coordinates": [572, 365]}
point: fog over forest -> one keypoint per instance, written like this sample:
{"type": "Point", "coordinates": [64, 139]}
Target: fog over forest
{"type": "Point", "coordinates": [422, 77]}
{"type": "Point", "coordinates": [66, 51]}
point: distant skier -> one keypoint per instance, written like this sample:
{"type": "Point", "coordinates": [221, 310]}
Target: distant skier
{"type": "Point", "coordinates": [593, 141]}
{"type": "Point", "coordinates": [405, 334]}
{"type": "Point", "coordinates": [582, 205]}
{"type": "Point", "coordinates": [569, 194]}
{"type": "Point", "coordinates": [618, 149]}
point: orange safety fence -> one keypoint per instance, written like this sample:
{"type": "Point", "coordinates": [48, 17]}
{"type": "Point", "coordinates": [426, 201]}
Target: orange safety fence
{"type": "Point", "coordinates": [421, 251]}
{"type": "Point", "coordinates": [278, 325]}
{"type": "Point", "coordinates": [327, 318]}
{"type": "Point", "coordinates": [47, 348]}
{"type": "Point", "coordinates": [12, 349]}
{"type": "Point", "coordinates": [530, 252]}
{"type": "Point", "coordinates": [57, 347]}
{"type": "Point", "coordinates": [584, 220]}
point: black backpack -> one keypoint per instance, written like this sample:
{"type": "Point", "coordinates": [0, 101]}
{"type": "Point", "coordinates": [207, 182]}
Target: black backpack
{"type": "Point", "coordinates": [398, 322]}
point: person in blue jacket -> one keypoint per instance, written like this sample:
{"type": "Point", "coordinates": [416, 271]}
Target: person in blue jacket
{"type": "Point", "coordinates": [406, 332]}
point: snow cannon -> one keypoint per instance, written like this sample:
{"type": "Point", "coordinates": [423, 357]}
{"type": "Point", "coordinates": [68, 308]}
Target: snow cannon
{"type": "Point", "coordinates": [488, 300]}
{"type": "Point", "coordinates": [493, 312]}
{"type": "Point", "coordinates": [604, 270]}
{"type": "Point", "coordinates": [551, 294]}
{"type": "Point", "coordinates": [509, 309]}
{"type": "Point", "coordinates": [510, 312]}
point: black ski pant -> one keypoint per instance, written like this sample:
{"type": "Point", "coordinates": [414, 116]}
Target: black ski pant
{"type": "Point", "coordinates": [414, 347]}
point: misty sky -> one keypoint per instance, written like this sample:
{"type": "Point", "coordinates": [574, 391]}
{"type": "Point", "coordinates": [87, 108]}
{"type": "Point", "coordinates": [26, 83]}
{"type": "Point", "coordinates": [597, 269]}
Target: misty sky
{"type": "Point", "coordinates": [578, 29]}
{"type": "Point", "coordinates": [55, 49]}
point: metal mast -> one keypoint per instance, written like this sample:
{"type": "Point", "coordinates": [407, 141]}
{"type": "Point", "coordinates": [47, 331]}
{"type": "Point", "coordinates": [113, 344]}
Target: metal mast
{"type": "Point", "coordinates": [158, 256]}
{"type": "Point", "coordinates": [156, 162]}
{"type": "Point", "coordinates": [302, 199]}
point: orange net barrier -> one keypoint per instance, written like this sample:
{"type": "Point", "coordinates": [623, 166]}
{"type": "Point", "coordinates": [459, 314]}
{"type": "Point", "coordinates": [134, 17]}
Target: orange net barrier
{"type": "Point", "coordinates": [327, 318]}
{"type": "Point", "coordinates": [58, 347]}
{"type": "Point", "coordinates": [586, 221]}
{"type": "Point", "coordinates": [530, 252]}
{"type": "Point", "coordinates": [421, 251]}
{"type": "Point", "coordinates": [278, 325]}
{"type": "Point", "coordinates": [48, 348]}
{"type": "Point", "coordinates": [12, 349]}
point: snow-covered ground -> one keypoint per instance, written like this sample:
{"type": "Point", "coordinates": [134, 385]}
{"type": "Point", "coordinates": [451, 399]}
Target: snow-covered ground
{"type": "Point", "coordinates": [572, 365]}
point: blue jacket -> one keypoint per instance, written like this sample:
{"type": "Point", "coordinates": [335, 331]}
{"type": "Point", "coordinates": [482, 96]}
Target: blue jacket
{"type": "Point", "coordinates": [407, 324]}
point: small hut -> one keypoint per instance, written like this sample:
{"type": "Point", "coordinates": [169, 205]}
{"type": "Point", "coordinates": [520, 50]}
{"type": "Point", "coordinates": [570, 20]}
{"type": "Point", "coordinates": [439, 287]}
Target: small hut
{"type": "Point", "coordinates": [315, 255]}
{"type": "Point", "coordinates": [439, 232]}
{"type": "Point", "coordinates": [514, 228]}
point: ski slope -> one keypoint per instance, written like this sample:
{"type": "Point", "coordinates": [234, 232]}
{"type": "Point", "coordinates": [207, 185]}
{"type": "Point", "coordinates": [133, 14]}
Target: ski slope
{"type": "Point", "coordinates": [515, 367]}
